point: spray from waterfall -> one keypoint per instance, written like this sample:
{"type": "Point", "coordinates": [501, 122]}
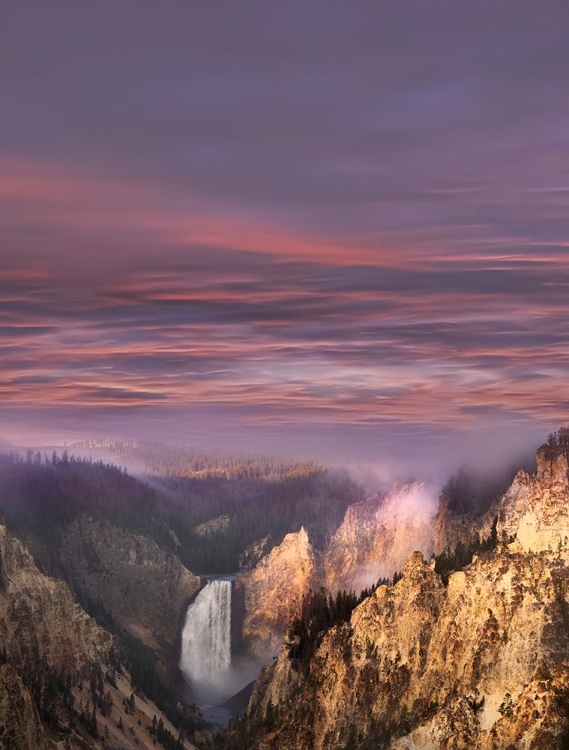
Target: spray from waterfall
{"type": "Point", "coordinates": [206, 641]}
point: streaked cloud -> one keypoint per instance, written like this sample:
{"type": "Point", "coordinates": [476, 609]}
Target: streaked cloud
{"type": "Point", "coordinates": [299, 219]}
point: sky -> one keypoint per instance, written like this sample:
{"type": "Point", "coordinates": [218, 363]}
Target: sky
{"type": "Point", "coordinates": [339, 228]}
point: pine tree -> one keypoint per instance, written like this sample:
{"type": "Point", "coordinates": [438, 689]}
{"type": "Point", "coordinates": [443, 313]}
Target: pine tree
{"type": "Point", "coordinates": [92, 728]}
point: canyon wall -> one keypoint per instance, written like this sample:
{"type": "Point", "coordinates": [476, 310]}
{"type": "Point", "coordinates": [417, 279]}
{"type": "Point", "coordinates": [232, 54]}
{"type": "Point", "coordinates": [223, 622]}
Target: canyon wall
{"type": "Point", "coordinates": [56, 662]}
{"type": "Point", "coordinates": [40, 621]}
{"type": "Point", "coordinates": [377, 535]}
{"type": "Point", "coordinates": [372, 542]}
{"type": "Point", "coordinates": [143, 587]}
{"type": "Point", "coordinates": [273, 591]}
{"type": "Point", "coordinates": [482, 662]}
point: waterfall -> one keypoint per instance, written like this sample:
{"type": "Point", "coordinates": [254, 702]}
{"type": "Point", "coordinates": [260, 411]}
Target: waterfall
{"type": "Point", "coordinates": [206, 639]}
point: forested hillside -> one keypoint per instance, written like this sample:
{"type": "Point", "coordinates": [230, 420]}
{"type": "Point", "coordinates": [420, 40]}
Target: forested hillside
{"type": "Point", "coordinates": [41, 493]}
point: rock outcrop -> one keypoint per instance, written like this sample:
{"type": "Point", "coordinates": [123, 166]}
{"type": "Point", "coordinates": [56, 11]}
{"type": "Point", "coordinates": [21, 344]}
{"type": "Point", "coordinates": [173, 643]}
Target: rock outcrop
{"type": "Point", "coordinates": [20, 725]}
{"type": "Point", "coordinates": [217, 525]}
{"type": "Point", "coordinates": [144, 588]}
{"type": "Point", "coordinates": [536, 508]}
{"type": "Point", "coordinates": [377, 535]}
{"type": "Point", "coordinates": [482, 663]}
{"type": "Point", "coordinates": [40, 621]}
{"type": "Point", "coordinates": [273, 591]}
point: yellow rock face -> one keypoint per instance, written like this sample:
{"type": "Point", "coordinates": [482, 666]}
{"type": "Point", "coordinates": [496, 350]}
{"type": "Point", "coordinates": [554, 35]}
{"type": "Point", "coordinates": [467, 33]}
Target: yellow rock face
{"type": "Point", "coordinates": [274, 590]}
{"type": "Point", "coordinates": [377, 535]}
{"type": "Point", "coordinates": [482, 663]}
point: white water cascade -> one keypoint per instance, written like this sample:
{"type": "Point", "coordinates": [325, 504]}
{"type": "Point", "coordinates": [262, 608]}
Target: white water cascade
{"type": "Point", "coordinates": [206, 641]}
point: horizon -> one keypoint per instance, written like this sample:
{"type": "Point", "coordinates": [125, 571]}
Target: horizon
{"type": "Point", "coordinates": [376, 475]}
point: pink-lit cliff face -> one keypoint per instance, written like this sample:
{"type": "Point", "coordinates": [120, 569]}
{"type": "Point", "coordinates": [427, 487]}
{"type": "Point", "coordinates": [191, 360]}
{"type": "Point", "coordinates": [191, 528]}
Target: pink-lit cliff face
{"type": "Point", "coordinates": [297, 223]}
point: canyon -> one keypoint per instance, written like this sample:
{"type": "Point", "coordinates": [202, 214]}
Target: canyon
{"type": "Point", "coordinates": [460, 638]}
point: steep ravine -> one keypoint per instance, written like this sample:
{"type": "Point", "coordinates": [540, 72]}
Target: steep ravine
{"type": "Point", "coordinates": [57, 662]}
{"type": "Point", "coordinates": [144, 588]}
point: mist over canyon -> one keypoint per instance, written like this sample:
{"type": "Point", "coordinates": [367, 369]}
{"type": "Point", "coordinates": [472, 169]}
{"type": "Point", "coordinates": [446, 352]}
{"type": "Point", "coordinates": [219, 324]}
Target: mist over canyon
{"type": "Point", "coordinates": [196, 573]}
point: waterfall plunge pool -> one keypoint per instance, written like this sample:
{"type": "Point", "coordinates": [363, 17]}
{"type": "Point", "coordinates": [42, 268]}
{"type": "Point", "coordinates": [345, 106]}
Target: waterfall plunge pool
{"type": "Point", "coordinates": [206, 661]}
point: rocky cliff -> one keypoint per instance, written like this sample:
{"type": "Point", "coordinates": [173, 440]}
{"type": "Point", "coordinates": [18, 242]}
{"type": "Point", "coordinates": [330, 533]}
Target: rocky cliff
{"type": "Point", "coordinates": [377, 535]}
{"type": "Point", "coordinates": [373, 541]}
{"type": "Point", "coordinates": [62, 679]}
{"type": "Point", "coordinates": [39, 619]}
{"type": "Point", "coordinates": [273, 590]}
{"type": "Point", "coordinates": [532, 509]}
{"type": "Point", "coordinates": [536, 508]}
{"type": "Point", "coordinates": [481, 663]}
{"type": "Point", "coordinates": [20, 725]}
{"type": "Point", "coordinates": [144, 588]}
